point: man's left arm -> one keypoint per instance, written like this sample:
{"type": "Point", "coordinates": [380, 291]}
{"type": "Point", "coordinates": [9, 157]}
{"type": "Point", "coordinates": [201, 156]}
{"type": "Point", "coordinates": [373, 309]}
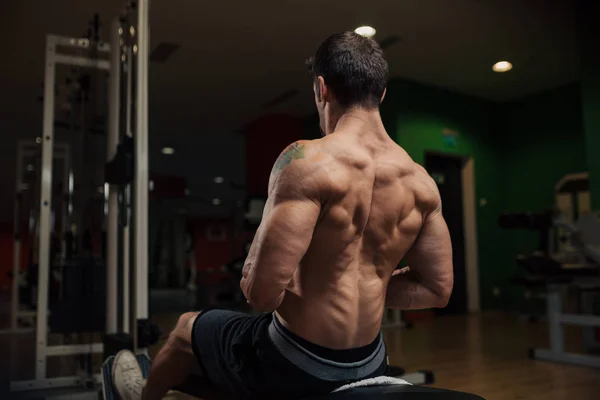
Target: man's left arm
{"type": "Point", "coordinates": [285, 232]}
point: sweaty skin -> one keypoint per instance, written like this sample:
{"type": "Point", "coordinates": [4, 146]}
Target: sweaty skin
{"type": "Point", "coordinates": [342, 212]}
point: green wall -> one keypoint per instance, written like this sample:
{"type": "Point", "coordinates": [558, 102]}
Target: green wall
{"type": "Point", "coordinates": [543, 141]}
{"type": "Point", "coordinates": [589, 37]}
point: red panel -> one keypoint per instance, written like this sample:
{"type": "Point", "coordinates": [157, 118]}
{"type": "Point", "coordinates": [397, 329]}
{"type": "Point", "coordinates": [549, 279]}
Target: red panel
{"type": "Point", "coordinates": [211, 254]}
{"type": "Point", "coordinates": [6, 256]}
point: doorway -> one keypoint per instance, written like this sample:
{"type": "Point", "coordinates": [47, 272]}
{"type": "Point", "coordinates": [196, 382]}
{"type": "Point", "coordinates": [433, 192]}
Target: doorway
{"type": "Point", "coordinates": [447, 171]}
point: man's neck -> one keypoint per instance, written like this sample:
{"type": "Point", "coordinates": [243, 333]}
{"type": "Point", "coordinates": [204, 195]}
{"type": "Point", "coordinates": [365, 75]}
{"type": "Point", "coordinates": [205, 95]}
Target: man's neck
{"type": "Point", "coordinates": [358, 120]}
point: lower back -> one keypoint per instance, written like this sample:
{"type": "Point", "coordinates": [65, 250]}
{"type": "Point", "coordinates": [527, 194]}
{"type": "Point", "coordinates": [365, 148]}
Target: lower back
{"type": "Point", "coordinates": [346, 314]}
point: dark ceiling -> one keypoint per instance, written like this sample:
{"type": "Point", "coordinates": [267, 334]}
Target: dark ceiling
{"type": "Point", "coordinates": [234, 57]}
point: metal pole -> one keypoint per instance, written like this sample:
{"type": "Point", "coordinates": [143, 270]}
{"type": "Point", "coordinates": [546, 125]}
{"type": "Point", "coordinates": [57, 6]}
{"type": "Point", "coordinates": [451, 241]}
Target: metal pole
{"type": "Point", "coordinates": [14, 309]}
{"type": "Point", "coordinates": [112, 223]}
{"type": "Point", "coordinates": [65, 202]}
{"type": "Point", "coordinates": [64, 217]}
{"type": "Point", "coordinates": [554, 324]}
{"type": "Point", "coordinates": [141, 165]}
{"type": "Point", "coordinates": [127, 200]}
{"type": "Point", "coordinates": [45, 207]}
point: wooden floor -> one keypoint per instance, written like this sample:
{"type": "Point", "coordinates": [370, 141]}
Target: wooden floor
{"type": "Point", "coordinates": [483, 354]}
{"type": "Point", "coordinates": [487, 355]}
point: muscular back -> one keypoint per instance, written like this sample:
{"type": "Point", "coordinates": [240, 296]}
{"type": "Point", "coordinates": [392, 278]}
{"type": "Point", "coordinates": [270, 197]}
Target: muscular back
{"type": "Point", "coordinates": [374, 200]}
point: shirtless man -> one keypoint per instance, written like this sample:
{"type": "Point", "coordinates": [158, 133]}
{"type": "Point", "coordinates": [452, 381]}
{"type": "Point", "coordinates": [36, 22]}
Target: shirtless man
{"type": "Point", "coordinates": [342, 212]}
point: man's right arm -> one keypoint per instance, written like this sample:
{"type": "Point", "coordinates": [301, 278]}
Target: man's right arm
{"type": "Point", "coordinates": [428, 280]}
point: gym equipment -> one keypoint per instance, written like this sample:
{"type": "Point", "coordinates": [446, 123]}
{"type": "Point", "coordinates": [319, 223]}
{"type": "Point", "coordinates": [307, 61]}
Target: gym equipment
{"type": "Point", "coordinates": [568, 261]}
{"type": "Point", "coordinates": [55, 55]}
{"type": "Point", "coordinates": [124, 61]}
{"type": "Point", "coordinates": [584, 278]}
{"type": "Point", "coordinates": [27, 178]}
{"type": "Point", "coordinates": [196, 386]}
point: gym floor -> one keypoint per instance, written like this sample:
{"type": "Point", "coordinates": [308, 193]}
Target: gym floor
{"type": "Point", "coordinates": [484, 354]}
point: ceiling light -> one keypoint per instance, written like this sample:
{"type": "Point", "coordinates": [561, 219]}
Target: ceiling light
{"type": "Point", "coordinates": [168, 151]}
{"type": "Point", "coordinates": [120, 31]}
{"type": "Point", "coordinates": [366, 31]}
{"type": "Point", "coordinates": [502, 66]}
{"type": "Point", "coordinates": [219, 179]}
{"type": "Point", "coordinates": [38, 140]}
{"type": "Point", "coordinates": [216, 202]}
{"type": "Point", "coordinates": [132, 30]}
{"type": "Point", "coordinates": [30, 168]}
{"type": "Point", "coordinates": [151, 185]}
{"type": "Point", "coordinates": [135, 49]}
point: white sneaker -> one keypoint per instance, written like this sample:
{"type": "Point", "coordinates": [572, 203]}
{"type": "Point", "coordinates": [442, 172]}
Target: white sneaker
{"type": "Point", "coordinates": [127, 376]}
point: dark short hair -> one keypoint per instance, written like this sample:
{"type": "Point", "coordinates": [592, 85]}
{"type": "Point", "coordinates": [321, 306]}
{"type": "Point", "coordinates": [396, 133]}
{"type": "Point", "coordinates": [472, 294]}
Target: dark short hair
{"type": "Point", "coordinates": [353, 67]}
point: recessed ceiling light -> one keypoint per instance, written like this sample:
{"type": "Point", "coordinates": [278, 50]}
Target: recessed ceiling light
{"type": "Point", "coordinates": [219, 179]}
{"type": "Point", "coordinates": [38, 140]}
{"type": "Point", "coordinates": [502, 66]}
{"type": "Point", "coordinates": [216, 202]}
{"type": "Point", "coordinates": [168, 151]}
{"type": "Point", "coordinates": [367, 31]}
{"type": "Point", "coordinates": [151, 185]}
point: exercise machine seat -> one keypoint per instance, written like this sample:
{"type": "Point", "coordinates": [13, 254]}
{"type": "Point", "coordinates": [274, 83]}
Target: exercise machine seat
{"type": "Point", "coordinates": [196, 386]}
{"type": "Point", "coordinates": [396, 392]}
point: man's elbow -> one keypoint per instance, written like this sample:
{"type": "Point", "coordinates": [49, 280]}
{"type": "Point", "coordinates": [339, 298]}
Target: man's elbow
{"type": "Point", "coordinates": [264, 304]}
{"type": "Point", "coordinates": [263, 301]}
{"type": "Point", "coordinates": [443, 295]}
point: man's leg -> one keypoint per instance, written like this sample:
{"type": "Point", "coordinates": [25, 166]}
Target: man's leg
{"type": "Point", "coordinates": [172, 365]}
{"type": "Point", "coordinates": [174, 362]}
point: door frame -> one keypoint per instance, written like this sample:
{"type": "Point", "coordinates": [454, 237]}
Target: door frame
{"type": "Point", "coordinates": [469, 227]}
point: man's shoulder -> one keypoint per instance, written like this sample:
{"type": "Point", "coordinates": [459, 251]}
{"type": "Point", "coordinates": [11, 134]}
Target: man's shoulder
{"type": "Point", "coordinates": [298, 168]}
{"type": "Point", "coordinates": [426, 191]}
{"type": "Point", "coordinates": [301, 156]}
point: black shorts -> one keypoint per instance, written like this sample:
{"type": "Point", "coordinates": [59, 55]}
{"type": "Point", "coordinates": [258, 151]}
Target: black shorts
{"type": "Point", "coordinates": [245, 356]}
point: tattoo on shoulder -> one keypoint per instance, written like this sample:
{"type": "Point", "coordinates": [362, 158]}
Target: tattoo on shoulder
{"type": "Point", "coordinates": [293, 152]}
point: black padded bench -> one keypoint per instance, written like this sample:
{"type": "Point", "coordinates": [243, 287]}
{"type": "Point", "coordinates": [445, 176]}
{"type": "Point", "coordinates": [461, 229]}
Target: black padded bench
{"type": "Point", "coordinates": [398, 392]}
{"type": "Point", "coordinates": [198, 387]}
{"type": "Point", "coordinates": [194, 387]}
